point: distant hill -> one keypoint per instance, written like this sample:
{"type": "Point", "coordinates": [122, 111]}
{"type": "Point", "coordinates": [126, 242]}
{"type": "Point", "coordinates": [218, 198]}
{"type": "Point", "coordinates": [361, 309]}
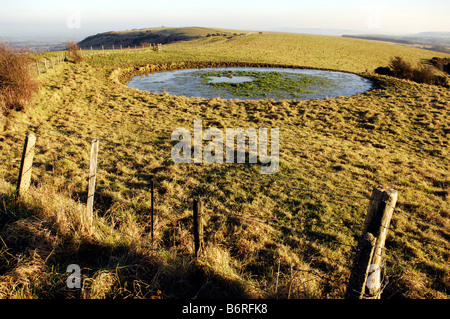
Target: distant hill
{"type": "Point", "coordinates": [435, 41]}
{"type": "Point", "coordinates": [161, 35]}
{"type": "Point", "coordinates": [432, 35]}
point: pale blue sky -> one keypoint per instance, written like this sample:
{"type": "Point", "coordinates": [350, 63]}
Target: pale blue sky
{"type": "Point", "coordinates": [84, 17]}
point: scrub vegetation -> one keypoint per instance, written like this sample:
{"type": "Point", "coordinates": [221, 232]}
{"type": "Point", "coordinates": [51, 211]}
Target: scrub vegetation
{"type": "Point", "coordinates": [264, 237]}
{"type": "Point", "coordinates": [17, 85]}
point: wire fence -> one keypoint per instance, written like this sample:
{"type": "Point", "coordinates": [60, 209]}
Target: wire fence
{"type": "Point", "coordinates": [47, 64]}
{"type": "Point", "coordinates": [249, 181]}
{"type": "Point", "coordinates": [271, 183]}
{"type": "Point", "coordinates": [178, 45]}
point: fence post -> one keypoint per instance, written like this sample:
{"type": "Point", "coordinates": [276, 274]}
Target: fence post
{"type": "Point", "coordinates": [198, 226]}
{"type": "Point", "coordinates": [152, 205]}
{"type": "Point", "coordinates": [37, 68]}
{"type": "Point", "coordinates": [24, 180]}
{"type": "Point", "coordinates": [367, 264]}
{"type": "Point", "coordinates": [91, 188]}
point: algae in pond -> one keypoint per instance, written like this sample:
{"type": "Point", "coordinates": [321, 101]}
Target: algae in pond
{"type": "Point", "coordinates": [273, 84]}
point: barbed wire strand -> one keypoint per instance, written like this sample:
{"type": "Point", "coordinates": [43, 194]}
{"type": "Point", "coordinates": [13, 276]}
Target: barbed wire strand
{"type": "Point", "coordinates": [260, 181]}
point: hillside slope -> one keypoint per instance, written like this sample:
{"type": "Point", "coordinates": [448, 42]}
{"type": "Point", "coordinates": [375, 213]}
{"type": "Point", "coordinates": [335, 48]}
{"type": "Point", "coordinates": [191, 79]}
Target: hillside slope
{"type": "Point", "coordinates": [291, 235]}
{"type": "Point", "coordinates": [161, 35]}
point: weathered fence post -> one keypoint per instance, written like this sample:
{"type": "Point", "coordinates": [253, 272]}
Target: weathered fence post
{"type": "Point", "coordinates": [365, 276]}
{"type": "Point", "coordinates": [152, 204]}
{"type": "Point", "coordinates": [91, 187]}
{"type": "Point", "coordinates": [198, 227]}
{"type": "Point", "coordinates": [24, 180]}
{"type": "Point", "coordinates": [37, 68]}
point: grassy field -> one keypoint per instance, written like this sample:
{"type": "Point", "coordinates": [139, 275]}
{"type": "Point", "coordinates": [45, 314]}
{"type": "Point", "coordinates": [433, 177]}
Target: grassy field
{"type": "Point", "coordinates": [264, 239]}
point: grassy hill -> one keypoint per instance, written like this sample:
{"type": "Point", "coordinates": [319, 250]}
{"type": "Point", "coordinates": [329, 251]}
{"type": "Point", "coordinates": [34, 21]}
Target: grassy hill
{"type": "Point", "coordinates": [265, 237]}
{"type": "Point", "coordinates": [162, 35]}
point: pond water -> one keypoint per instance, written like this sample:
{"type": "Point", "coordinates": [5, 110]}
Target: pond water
{"type": "Point", "coordinates": [297, 84]}
{"type": "Point", "coordinates": [234, 79]}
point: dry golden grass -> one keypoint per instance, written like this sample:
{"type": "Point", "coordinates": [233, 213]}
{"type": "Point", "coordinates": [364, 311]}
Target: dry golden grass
{"type": "Point", "coordinates": [395, 135]}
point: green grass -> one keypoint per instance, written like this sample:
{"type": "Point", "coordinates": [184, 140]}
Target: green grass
{"type": "Point", "coordinates": [396, 135]}
{"type": "Point", "coordinates": [268, 84]}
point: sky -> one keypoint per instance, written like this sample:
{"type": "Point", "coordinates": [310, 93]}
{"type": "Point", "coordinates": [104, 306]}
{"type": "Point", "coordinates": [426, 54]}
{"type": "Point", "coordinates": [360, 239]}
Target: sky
{"type": "Point", "coordinates": [81, 18]}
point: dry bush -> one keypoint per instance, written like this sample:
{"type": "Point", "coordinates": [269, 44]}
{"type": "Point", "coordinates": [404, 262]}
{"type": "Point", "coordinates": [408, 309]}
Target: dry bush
{"type": "Point", "coordinates": [421, 74]}
{"type": "Point", "coordinates": [73, 52]}
{"type": "Point", "coordinates": [424, 74]}
{"type": "Point", "coordinates": [17, 85]}
{"type": "Point", "coordinates": [401, 68]}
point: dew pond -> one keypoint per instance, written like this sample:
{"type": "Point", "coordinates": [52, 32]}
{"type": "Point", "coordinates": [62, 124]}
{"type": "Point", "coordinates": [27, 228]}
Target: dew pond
{"type": "Point", "coordinates": [252, 83]}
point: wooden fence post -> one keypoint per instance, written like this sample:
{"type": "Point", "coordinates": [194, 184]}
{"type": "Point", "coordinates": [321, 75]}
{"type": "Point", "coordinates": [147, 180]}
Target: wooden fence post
{"type": "Point", "coordinates": [152, 204]}
{"type": "Point", "coordinates": [37, 68]}
{"type": "Point", "coordinates": [91, 188]}
{"type": "Point", "coordinates": [26, 164]}
{"type": "Point", "coordinates": [366, 271]}
{"type": "Point", "coordinates": [198, 227]}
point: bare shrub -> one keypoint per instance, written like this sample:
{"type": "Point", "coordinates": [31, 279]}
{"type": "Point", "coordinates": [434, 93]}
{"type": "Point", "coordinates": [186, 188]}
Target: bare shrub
{"type": "Point", "coordinates": [401, 68]}
{"type": "Point", "coordinates": [424, 74]}
{"type": "Point", "coordinates": [442, 64]}
{"type": "Point", "coordinates": [17, 85]}
{"type": "Point", "coordinates": [73, 52]}
{"type": "Point", "coordinates": [421, 74]}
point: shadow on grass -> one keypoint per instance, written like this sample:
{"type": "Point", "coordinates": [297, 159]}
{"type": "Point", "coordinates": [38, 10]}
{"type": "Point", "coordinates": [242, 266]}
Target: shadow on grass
{"type": "Point", "coordinates": [32, 242]}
